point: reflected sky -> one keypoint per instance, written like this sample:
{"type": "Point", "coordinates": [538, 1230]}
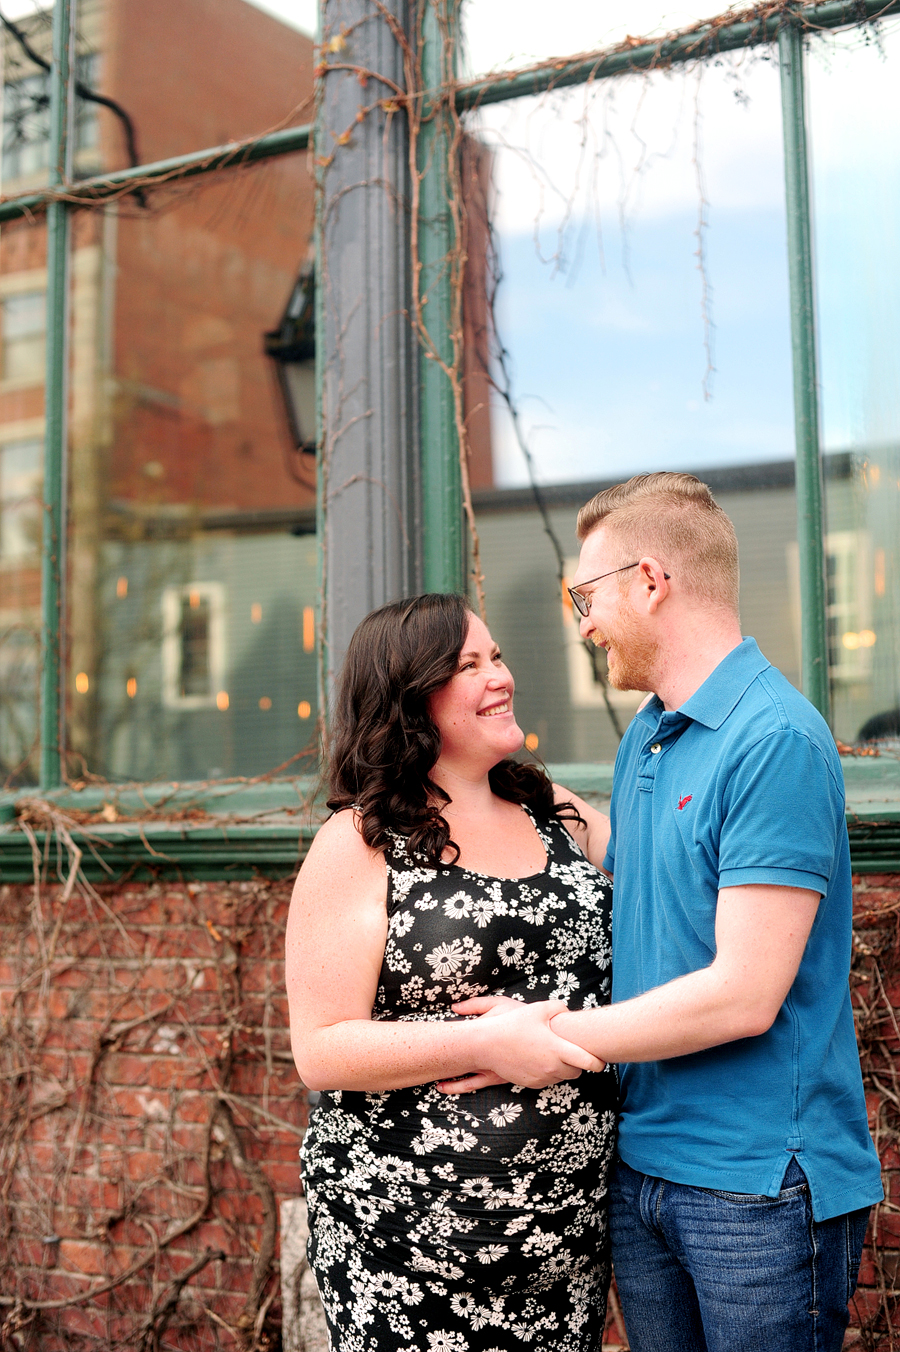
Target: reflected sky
{"type": "Point", "coordinates": [610, 370]}
{"type": "Point", "coordinates": [855, 141]}
{"type": "Point", "coordinates": [597, 205]}
{"type": "Point", "coordinates": [499, 34]}
{"type": "Point", "coordinates": [598, 201]}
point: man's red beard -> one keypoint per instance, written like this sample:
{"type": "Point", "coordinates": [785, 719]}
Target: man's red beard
{"type": "Point", "coordinates": [631, 656]}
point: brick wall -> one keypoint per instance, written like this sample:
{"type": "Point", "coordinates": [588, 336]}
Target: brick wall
{"type": "Point", "coordinates": [875, 983]}
{"type": "Point", "coordinates": [150, 1114]}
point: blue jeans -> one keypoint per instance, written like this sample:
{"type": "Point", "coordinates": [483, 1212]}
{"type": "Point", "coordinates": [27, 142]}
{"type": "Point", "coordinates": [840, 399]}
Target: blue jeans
{"type": "Point", "coordinates": [705, 1271]}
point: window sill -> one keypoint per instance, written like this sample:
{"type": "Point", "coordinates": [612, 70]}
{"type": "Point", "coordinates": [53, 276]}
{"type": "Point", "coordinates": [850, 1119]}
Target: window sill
{"type": "Point", "coordinates": [244, 830]}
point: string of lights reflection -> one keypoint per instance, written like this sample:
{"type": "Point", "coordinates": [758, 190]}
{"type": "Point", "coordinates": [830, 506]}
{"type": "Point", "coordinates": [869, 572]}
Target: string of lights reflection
{"type": "Point", "coordinates": [222, 697]}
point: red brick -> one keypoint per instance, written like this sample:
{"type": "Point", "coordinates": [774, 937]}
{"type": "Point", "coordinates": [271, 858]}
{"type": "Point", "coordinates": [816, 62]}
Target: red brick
{"type": "Point", "coordinates": [136, 1103]}
{"type": "Point", "coordinates": [194, 1106]}
{"type": "Point", "coordinates": [153, 976]}
{"type": "Point", "coordinates": [285, 1179]}
{"type": "Point", "coordinates": [285, 1151]}
{"type": "Point", "coordinates": [77, 1035]}
{"type": "Point", "coordinates": [213, 1234]}
{"type": "Point", "coordinates": [30, 1253]}
{"type": "Point", "coordinates": [129, 1234]}
{"type": "Point", "coordinates": [230, 1301]}
{"type": "Point", "coordinates": [177, 1073]}
{"type": "Point", "coordinates": [144, 1164]}
{"type": "Point", "coordinates": [125, 1069]}
{"type": "Point", "coordinates": [243, 1206]}
{"type": "Point", "coordinates": [44, 1128]}
{"type": "Point", "coordinates": [87, 1256]}
{"type": "Point", "coordinates": [253, 1079]}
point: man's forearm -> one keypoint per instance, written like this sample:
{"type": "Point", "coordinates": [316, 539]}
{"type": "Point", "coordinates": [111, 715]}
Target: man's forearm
{"type": "Point", "coordinates": [686, 1015]}
{"type": "Point", "coordinates": [761, 935]}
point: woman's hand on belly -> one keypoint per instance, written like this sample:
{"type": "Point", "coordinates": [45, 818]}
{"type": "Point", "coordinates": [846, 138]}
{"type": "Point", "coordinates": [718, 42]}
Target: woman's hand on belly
{"type": "Point", "coordinates": [517, 1046]}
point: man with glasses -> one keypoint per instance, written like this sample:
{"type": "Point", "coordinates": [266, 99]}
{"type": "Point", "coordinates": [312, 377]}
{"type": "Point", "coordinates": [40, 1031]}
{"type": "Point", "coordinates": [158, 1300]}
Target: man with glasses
{"type": "Point", "coordinates": [739, 1206]}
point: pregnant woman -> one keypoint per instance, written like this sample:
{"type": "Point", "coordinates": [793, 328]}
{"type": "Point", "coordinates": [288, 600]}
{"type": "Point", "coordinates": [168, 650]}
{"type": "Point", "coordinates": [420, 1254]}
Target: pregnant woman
{"type": "Point", "coordinates": [444, 1223]}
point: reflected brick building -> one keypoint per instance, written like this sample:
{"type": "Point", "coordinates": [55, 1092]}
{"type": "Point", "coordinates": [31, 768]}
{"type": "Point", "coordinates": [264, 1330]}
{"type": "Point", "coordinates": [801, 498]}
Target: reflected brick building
{"type": "Point", "coordinates": [192, 571]}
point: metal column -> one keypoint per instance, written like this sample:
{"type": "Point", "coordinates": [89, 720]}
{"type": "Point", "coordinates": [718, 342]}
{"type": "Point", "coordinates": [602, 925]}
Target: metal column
{"type": "Point", "coordinates": [369, 481]}
{"type": "Point", "coordinates": [810, 494]}
{"type": "Point", "coordinates": [52, 711]}
{"type": "Point", "coordinates": [442, 542]}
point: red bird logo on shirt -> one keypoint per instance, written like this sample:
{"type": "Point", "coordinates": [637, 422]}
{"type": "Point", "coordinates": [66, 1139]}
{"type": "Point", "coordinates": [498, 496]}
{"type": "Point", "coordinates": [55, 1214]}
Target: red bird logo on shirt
{"type": "Point", "coordinates": [683, 802]}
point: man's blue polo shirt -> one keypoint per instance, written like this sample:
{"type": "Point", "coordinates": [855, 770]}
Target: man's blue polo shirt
{"type": "Point", "coordinates": [741, 785]}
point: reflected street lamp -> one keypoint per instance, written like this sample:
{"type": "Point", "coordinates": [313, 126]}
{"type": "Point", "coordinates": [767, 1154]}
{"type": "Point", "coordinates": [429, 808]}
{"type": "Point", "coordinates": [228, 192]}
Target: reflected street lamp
{"type": "Point", "coordinates": [292, 346]}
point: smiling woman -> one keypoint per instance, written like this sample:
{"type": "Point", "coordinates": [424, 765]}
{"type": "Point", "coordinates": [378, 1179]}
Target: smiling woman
{"type": "Point", "coordinates": [474, 710]}
{"type": "Point", "coordinates": [454, 871]}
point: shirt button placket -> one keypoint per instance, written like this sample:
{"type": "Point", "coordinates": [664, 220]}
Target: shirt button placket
{"type": "Point", "coordinates": [647, 767]}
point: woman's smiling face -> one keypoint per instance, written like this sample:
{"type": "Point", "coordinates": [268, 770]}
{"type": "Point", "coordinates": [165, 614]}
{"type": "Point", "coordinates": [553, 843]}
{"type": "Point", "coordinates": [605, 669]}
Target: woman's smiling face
{"type": "Point", "coordinates": [474, 711]}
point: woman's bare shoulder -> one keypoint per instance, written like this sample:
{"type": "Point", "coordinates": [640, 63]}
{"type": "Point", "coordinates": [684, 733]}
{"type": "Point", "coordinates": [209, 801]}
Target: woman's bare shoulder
{"type": "Point", "coordinates": [340, 838]}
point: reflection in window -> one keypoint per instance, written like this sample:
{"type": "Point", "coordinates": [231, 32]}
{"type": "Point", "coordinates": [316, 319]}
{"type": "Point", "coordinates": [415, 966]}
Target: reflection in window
{"type": "Point", "coordinates": [20, 510]}
{"type": "Point", "coordinates": [606, 198]}
{"type": "Point", "coordinates": [20, 589]}
{"type": "Point", "coordinates": [189, 563]}
{"type": "Point", "coordinates": [194, 640]}
{"type": "Point", "coordinates": [849, 605]}
{"type": "Point", "coordinates": [19, 677]}
{"type": "Point", "coordinates": [855, 137]}
{"type": "Point", "coordinates": [849, 596]}
{"type": "Point", "coordinates": [193, 645]}
{"type": "Point", "coordinates": [24, 338]}
{"type": "Point", "coordinates": [26, 120]}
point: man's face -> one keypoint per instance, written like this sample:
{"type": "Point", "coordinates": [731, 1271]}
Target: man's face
{"type": "Point", "coordinates": [614, 622]}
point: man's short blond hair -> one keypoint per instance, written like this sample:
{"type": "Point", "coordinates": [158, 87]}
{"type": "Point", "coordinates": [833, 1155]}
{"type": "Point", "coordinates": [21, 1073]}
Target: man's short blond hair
{"type": "Point", "coordinates": [675, 518]}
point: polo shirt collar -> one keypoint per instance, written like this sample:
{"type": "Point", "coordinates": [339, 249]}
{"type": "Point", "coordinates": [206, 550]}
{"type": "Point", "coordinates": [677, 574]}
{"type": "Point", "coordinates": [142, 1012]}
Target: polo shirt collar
{"type": "Point", "coordinates": [720, 692]}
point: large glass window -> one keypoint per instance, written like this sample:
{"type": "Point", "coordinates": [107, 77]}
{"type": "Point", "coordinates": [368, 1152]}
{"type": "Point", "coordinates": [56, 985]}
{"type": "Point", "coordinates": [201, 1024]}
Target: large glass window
{"type": "Point", "coordinates": [640, 320]}
{"type": "Point", "coordinates": [855, 142]}
{"type": "Point", "coordinates": [188, 625]}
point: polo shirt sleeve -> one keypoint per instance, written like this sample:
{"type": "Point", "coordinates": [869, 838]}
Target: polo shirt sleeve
{"type": "Point", "coordinates": [783, 816]}
{"type": "Point", "coordinates": [609, 859]}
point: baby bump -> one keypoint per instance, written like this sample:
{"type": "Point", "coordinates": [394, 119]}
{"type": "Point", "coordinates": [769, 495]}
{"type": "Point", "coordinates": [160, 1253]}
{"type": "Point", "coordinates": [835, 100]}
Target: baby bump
{"type": "Point", "coordinates": [488, 1186]}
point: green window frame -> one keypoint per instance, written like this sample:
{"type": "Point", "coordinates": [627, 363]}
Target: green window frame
{"type": "Point", "coordinates": [443, 567]}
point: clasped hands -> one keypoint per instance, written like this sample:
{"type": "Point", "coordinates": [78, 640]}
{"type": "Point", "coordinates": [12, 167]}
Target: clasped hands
{"type": "Point", "coordinates": [521, 1046]}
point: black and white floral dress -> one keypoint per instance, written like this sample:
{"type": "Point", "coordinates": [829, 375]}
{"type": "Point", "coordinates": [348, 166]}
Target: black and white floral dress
{"type": "Point", "coordinates": [471, 1224]}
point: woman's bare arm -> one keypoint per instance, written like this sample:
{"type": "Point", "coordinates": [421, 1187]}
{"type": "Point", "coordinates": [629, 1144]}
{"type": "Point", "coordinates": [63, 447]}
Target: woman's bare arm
{"type": "Point", "coordinates": [592, 838]}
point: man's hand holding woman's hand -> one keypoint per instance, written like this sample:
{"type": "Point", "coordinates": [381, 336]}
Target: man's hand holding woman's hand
{"type": "Point", "coordinates": [519, 1046]}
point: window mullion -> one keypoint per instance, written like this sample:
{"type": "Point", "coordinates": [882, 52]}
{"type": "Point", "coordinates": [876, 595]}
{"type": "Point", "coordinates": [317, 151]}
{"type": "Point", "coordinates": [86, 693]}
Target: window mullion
{"type": "Point", "coordinates": [810, 496]}
{"type": "Point", "coordinates": [52, 719]}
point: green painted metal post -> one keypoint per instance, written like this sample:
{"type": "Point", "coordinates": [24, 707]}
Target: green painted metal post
{"type": "Point", "coordinates": [810, 494]}
{"type": "Point", "coordinates": [442, 508]}
{"type": "Point", "coordinates": [52, 717]}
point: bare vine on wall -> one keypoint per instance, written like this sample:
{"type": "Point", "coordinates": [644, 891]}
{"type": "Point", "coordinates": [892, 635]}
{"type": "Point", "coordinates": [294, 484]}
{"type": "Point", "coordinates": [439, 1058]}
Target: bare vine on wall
{"type": "Point", "coordinates": [124, 1185]}
{"type": "Point", "coordinates": [875, 991]}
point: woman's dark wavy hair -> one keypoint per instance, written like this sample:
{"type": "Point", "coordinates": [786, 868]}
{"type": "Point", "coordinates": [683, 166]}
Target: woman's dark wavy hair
{"type": "Point", "coordinates": [384, 743]}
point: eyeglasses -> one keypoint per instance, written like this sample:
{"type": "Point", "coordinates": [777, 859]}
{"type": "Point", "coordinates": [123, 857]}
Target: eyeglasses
{"type": "Point", "coordinates": [583, 603]}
